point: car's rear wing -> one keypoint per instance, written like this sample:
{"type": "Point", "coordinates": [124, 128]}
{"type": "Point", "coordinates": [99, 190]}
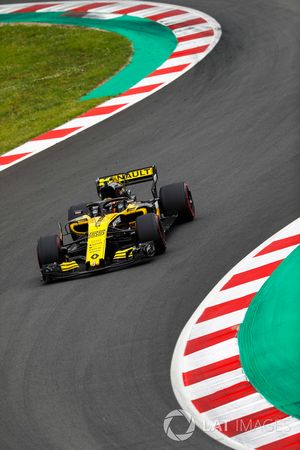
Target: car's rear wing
{"type": "Point", "coordinates": [129, 178]}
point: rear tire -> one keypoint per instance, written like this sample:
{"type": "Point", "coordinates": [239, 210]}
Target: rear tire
{"type": "Point", "coordinates": [149, 228]}
{"type": "Point", "coordinates": [177, 199]}
{"type": "Point", "coordinates": [76, 211]}
{"type": "Point", "coordinates": [49, 250]}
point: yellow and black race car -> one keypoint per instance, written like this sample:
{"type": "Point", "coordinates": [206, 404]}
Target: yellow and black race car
{"type": "Point", "coordinates": [117, 230]}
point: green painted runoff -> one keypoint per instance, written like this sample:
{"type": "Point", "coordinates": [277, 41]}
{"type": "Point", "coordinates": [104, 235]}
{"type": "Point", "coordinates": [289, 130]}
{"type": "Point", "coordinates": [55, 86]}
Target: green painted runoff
{"type": "Point", "coordinates": [269, 338]}
{"type": "Point", "coordinates": [152, 44]}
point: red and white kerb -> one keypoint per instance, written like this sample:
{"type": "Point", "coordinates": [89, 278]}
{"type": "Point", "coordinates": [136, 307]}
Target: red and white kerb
{"type": "Point", "coordinates": [196, 33]}
{"type": "Point", "coordinates": [207, 376]}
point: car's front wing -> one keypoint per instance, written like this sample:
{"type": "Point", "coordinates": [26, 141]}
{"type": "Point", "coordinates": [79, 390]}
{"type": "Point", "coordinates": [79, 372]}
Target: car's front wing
{"type": "Point", "coordinates": [77, 269]}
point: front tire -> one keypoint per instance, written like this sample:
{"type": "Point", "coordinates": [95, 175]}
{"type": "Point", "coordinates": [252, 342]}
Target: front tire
{"type": "Point", "coordinates": [176, 199]}
{"type": "Point", "coordinates": [49, 250]}
{"type": "Point", "coordinates": [149, 228]}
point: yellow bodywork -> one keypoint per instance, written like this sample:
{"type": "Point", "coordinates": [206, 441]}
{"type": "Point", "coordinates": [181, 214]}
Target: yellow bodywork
{"type": "Point", "coordinates": [69, 265]}
{"type": "Point", "coordinates": [96, 230]}
{"type": "Point", "coordinates": [124, 254]}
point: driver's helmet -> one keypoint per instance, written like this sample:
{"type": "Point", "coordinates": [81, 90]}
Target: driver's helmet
{"type": "Point", "coordinates": [111, 190]}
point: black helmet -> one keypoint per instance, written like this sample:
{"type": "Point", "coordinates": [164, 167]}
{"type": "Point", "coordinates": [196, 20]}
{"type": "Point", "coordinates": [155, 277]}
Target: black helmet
{"type": "Point", "coordinates": [111, 190]}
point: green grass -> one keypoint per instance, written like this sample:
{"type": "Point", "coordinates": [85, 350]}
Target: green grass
{"type": "Point", "coordinates": [44, 70]}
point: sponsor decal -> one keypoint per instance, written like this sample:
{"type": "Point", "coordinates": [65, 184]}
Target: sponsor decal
{"type": "Point", "coordinates": [95, 234]}
{"type": "Point", "coordinates": [132, 175]}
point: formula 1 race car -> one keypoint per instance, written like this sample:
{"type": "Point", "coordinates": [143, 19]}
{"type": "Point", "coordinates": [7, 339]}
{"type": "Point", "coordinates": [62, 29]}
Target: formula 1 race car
{"type": "Point", "coordinates": [116, 231]}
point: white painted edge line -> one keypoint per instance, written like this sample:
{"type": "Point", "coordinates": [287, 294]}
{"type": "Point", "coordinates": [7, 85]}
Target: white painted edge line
{"type": "Point", "coordinates": [33, 147]}
{"type": "Point", "coordinates": [177, 367]}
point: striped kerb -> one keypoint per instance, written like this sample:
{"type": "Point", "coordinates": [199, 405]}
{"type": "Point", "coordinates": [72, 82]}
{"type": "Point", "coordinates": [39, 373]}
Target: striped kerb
{"type": "Point", "coordinates": [220, 390]}
{"type": "Point", "coordinates": [188, 25]}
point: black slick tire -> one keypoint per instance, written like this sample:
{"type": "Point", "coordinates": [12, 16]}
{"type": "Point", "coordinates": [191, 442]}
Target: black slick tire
{"type": "Point", "coordinates": [49, 250]}
{"type": "Point", "coordinates": [176, 199]}
{"type": "Point", "coordinates": [149, 228]}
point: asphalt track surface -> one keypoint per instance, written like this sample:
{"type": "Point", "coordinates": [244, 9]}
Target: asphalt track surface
{"type": "Point", "coordinates": [85, 364]}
